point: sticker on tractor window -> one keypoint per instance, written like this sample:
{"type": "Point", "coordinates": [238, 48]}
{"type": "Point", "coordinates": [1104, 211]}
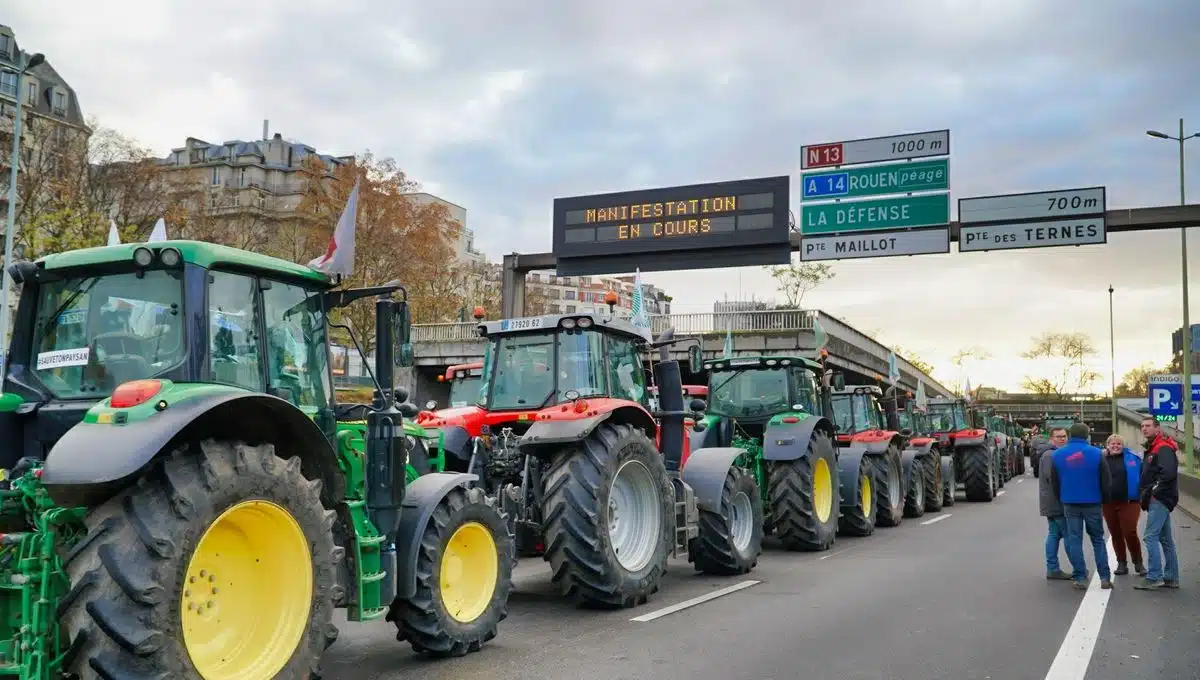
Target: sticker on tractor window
{"type": "Point", "coordinates": [520, 324]}
{"type": "Point", "coordinates": [63, 357]}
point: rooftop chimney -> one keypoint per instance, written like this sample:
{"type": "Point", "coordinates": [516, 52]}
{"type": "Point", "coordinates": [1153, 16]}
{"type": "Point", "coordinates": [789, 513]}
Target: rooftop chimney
{"type": "Point", "coordinates": [266, 127]}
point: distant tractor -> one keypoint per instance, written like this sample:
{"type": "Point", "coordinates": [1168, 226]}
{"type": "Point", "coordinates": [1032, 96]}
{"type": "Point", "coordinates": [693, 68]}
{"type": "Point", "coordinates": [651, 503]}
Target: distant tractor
{"type": "Point", "coordinates": [563, 436]}
{"type": "Point", "coordinates": [465, 381]}
{"type": "Point", "coordinates": [774, 408]}
{"type": "Point", "coordinates": [899, 470]}
{"type": "Point", "coordinates": [967, 447]}
{"type": "Point", "coordinates": [180, 498]}
{"type": "Point", "coordinates": [939, 477]}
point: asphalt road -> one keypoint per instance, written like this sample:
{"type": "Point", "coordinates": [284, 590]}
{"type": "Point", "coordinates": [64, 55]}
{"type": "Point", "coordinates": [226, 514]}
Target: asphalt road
{"type": "Point", "coordinates": [960, 598]}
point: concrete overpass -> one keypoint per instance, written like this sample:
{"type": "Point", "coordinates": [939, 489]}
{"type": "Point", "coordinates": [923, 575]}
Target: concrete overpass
{"type": "Point", "coordinates": [786, 331]}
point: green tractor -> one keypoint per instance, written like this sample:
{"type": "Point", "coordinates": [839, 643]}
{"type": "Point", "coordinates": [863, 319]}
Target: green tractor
{"type": "Point", "coordinates": [181, 500]}
{"type": "Point", "coordinates": [777, 410]}
{"type": "Point", "coordinates": [984, 417]}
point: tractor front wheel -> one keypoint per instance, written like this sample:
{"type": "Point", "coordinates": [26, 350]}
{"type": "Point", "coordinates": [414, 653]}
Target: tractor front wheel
{"type": "Point", "coordinates": [914, 501]}
{"type": "Point", "coordinates": [218, 564]}
{"type": "Point", "coordinates": [464, 576]}
{"type": "Point", "coordinates": [858, 511]}
{"type": "Point", "coordinates": [979, 473]}
{"type": "Point", "coordinates": [608, 509]}
{"type": "Point", "coordinates": [934, 493]}
{"type": "Point", "coordinates": [731, 541]}
{"type": "Point", "coordinates": [805, 503]}
{"type": "Point", "coordinates": [889, 488]}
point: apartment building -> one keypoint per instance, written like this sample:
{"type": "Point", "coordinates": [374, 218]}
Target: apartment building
{"type": "Point", "coordinates": [567, 294]}
{"type": "Point", "coordinates": [265, 178]}
{"type": "Point", "coordinates": [52, 124]}
{"type": "Point", "coordinates": [464, 240]}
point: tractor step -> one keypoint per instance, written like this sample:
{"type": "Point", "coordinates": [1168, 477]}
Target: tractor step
{"type": "Point", "coordinates": [687, 516]}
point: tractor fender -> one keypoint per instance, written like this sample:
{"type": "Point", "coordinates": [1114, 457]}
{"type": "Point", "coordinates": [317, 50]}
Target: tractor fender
{"type": "Point", "coordinates": [456, 441]}
{"type": "Point", "coordinates": [94, 461]}
{"type": "Point", "coordinates": [850, 461]}
{"type": "Point", "coordinates": [706, 471]}
{"type": "Point", "coordinates": [922, 444]}
{"type": "Point", "coordinates": [907, 458]}
{"type": "Point", "coordinates": [972, 439]}
{"type": "Point", "coordinates": [544, 432]}
{"type": "Point", "coordinates": [876, 445]}
{"type": "Point", "coordinates": [788, 441]}
{"type": "Point", "coordinates": [421, 498]}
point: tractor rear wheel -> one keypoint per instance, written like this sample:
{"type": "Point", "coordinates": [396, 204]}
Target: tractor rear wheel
{"type": "Point", "coordinates": [858, 511]}
{"type": "Point", "coordinates": [609, 507]}
{"type": "Point", "coordinates": [914, 500]}
{"type": "Point", "coordinates": [889, 488]}
{"type": "Point", "coordinates": [979, 474]}
{"type": "Point", "coordinates": [219, 564]}
{"type": "Point", "coordinates": [934, 486]}
{"type": "Point", "coordinates": [805, 502]}
{"type": "Point", "coordinates": [731, 541]}
{"type": "Point", "coordinates": [464, 576]}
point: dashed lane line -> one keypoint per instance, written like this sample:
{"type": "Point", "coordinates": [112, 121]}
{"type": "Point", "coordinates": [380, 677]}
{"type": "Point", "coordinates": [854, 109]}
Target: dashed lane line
{"type": "Point", "coordinates": [1075, 654]}
{"type": "Point", "coordinates": [1000, 493]}
{"type": "Point", "coordinates": [936, 519]}
{"type": "Point", "coordinates": [667, 611]}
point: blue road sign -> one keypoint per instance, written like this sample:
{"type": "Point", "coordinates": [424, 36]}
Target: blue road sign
{"type": "Point", "coordinates": [827, 185]}
{"type": "Point", "coordinates": [1166, 395]}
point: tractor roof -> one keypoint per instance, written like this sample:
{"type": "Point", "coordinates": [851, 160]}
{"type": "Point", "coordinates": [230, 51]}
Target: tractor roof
{"type": "Point", "coordinates": [553, 322]}
{"type": "Point", "coordinates": [859, 389]}
{"type": "Point", "coordinates": [207, 255]}
{"type": "Point", "coordinates": [745, 363]}
{"type": "Point", "coordinates": [471, 370]}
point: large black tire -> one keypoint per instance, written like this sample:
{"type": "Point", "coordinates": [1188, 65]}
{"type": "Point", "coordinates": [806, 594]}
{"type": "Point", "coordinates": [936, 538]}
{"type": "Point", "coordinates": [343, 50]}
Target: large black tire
{"type": "Point", "coordinates": [979, 475]}
{"type": "Point", "coordinates": [129, 575]}
{"type": "Point", "coordinates": [576, 510]}
{"type": "Point", "coordinates": [1020, 462]}
{"type": "Point", "coordinates": [796, 505]}
{"type": "Point", "coordinates": [716, 550]}
{"type": "Point", "coordinates": [889, 488]}
{"type": "Point", "coordinates": [858, 511]}
{"type": "Point", "coordinates": [934, 492]}
{"type": "Point", "coordinates": [425, 620]}
{"type": "Point", "coordinates": [914, 499]}
{"type": "Point", "coordinates": [949, 482]}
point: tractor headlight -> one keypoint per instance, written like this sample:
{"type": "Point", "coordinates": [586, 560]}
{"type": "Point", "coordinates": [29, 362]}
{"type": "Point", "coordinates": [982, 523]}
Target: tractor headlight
{"type": "Point", "coordinates": [568, 323]}
{"type": "Point", "coordinates": [143, 257]}
{"type": "Point", "coordinates": [169, 257]}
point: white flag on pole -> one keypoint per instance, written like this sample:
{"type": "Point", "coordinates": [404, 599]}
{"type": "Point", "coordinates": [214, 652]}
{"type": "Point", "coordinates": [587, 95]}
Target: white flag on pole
{"type": "Point", "coordinates": [114, 238]}
{"type": "Point", "coordinates": [339, 256]}
{"type": "Point", "coordinates": [160, 231]}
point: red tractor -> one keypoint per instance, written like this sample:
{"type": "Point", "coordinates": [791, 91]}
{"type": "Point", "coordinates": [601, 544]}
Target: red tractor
{"type": "Point", "coordinates": [564, 438]}
{"type": "Point", "coordinates": [899, 470]}
{"type": "Point", "coordinates": [968, 450]}
{"type": "Point", "coordinates": [914, 422]}
{"type": "Point", "coordinates": [465, 381]}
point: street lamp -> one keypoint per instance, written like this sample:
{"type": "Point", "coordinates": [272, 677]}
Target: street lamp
{"type": "Point", "coordinates": [1188, 429]}
{"type": "Point", "coordinates": [25, 62]}
{"type": "Point", "coordinates": [1112, 358]}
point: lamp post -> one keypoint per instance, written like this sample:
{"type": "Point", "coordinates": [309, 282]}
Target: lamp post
{"type": "Point", "coordinates": [1112, 358]}
{"type": "Point", "coordinates": [1188, 429]}
{"type": "Point", "coordinates": [24, 63]}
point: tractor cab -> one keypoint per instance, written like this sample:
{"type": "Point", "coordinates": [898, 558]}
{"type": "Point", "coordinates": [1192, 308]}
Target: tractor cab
{"type": "Point", "coordinates": [948, 417]}
{"type": "Point", "coordinates": [745, 393]}
{"type": "Point", "coordinates": [858, 410]}
{"type": "Point", "coordinates": [465, 381]}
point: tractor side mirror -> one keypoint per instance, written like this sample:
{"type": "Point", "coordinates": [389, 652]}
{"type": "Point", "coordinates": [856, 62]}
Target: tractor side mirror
{"type": "Point", "coordinates": [695, 359]}
{"type": "Point", "coordinates": [403, 342]}
{"type": "Point", "coordinates": [839, 381]}
{"type": "Point", "coordinates": [22, 271]}
{"type": "Point", "coordinates": [400, 394]}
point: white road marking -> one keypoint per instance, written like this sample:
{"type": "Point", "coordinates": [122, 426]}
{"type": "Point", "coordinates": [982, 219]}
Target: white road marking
{"type": "Point", "coordinates": [936, 519]}
{"type": "Point", "coordinates": [1000, 493]}
{"type": "Point", "coordinates": [666, 611]}
{"type": "Point", "coordinates": [1020, 480]}
{"type": "Point", "coordinates": [1075, 654]}
{"type": "Point", "coordinates": [835, 554]}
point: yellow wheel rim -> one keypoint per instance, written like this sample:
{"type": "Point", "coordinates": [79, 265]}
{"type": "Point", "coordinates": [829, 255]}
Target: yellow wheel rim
{"type": "Point", "coordinates": [469, 572]}
{"type": "Point", "coordinates": [822, 490]}
{"type": "Point", "coordinates": [867, 496]}
{"type": "Point", "coordinates": [247, 593]}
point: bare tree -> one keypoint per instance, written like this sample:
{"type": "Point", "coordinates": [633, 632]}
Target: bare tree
{"type": "Point", "coordinates": [1070, 352]}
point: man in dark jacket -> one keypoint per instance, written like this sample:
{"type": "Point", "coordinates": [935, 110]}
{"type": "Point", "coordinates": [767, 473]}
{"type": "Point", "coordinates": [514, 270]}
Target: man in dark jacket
{"type": "Point", "coordinates": [1081, 480]}
{"type": "Point", "coordinates": [1159, 496]}
{"type": "Point", "coordinates": [1052, 510]}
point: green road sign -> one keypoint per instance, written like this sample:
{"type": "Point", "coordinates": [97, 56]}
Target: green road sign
{"type": "Point", "coordinates": [880, 180]}
{"type": "Point", "coordinates": [885, 213]}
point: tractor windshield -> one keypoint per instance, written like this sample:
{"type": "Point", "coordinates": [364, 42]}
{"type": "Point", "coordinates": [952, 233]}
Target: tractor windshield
{"type": "Point", "coordinates": [907, 420]}
{"type": "Point", "coordinates": [534, 370]}
{"type": "Point", "coordinates": [93, 333]}
{"type": "Point", "coordinates": [749, 393]}
{"type": "Point", "coordinates": [465, 391]}
{"type": "Point", "coordinates": [854, 413]}
{"type": "Point", "coordinates": [947, 417]}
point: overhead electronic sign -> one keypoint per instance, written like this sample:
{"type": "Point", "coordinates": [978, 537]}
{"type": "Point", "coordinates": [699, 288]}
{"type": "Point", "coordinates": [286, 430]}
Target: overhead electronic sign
{"type": "Point", "coordinates": [699, 226]}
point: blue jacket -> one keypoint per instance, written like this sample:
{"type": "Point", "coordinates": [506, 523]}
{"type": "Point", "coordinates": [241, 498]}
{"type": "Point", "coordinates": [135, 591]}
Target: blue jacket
{"type": "Point", "coordinates": [1126, 476]}
{"type": "Point", "coordinates": [1080, 474]}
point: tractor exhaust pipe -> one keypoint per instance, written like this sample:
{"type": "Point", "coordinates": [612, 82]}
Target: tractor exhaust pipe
{"type": "Point", "coordinates": [386, 452]}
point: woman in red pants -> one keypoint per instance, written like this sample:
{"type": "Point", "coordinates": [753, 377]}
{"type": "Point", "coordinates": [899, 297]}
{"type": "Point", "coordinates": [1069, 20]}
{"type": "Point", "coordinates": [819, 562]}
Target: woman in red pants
{"type": "Point", "coordinates": [1123, 509]}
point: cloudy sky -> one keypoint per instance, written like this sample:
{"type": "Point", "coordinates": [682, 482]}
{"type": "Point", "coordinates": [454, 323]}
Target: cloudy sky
{"type": "Point", "coordinates": [502, 106]}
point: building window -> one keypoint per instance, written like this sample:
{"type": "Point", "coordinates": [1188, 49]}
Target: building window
{"type": "Point", "coordinates": [60, 104]}
{"type": "Point", "coordinates": [6, 45]}
{"type": "Point", "coordinates": [8, 83]}
{"type": "Point", "coordinates": [242, 177]}
{"type": "Point", "coordinates": [216, 176]}
{"type": "Point", "coordinates": [33, 94]}
{"type": "Point", "coordinates": [569, 295]}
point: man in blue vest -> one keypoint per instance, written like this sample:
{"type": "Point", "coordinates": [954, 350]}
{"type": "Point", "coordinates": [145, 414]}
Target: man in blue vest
{"type": "Point", "coordinates": [1081, 481]}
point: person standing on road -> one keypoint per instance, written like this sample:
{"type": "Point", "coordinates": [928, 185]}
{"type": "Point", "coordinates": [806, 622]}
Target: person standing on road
{"type": "Point", "coordinates": [1123, 508]}
{"type": "Point", "coordinates": [1081, 480]}
{"type": "Point", "coordinates": [1052, 510]}
{"type": "Point", "coordinates": [1159, 496]}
